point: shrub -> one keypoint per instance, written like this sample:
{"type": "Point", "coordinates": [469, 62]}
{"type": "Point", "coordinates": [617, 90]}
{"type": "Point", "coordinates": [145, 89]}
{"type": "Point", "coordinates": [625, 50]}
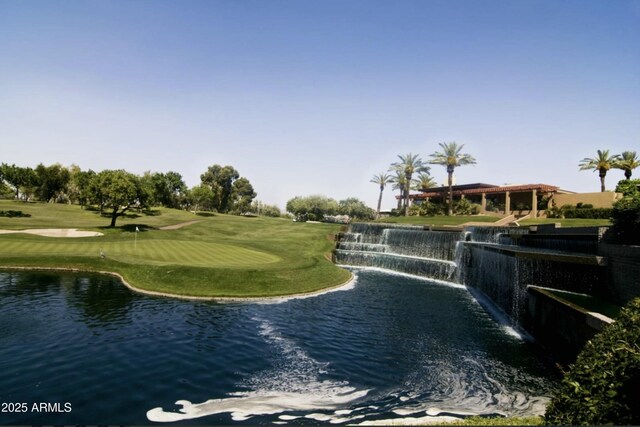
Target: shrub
{"type": "Point", "coordinates": [465, 207]}
{"type": "Point", "coordinates": [593, 213]}
{"type": "Point", "coordinates": [625, 216]}
{"type": "Point", "coordinates": [603, 385]}
{"type": "Point", "coordinates": [14, 214]}
{"type": "Point", "coordinates": [628, 187]}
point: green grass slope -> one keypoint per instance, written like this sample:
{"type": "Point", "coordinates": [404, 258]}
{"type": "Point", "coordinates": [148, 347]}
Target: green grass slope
{"type": "Point", "coordinates": [220, 256]}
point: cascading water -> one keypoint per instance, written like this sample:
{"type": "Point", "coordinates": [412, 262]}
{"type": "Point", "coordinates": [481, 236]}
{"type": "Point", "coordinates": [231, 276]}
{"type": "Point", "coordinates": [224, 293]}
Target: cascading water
{"type": "Point", "coordinates": [501, 262]}
{"type": "Point", "coordinates": [406, 249]}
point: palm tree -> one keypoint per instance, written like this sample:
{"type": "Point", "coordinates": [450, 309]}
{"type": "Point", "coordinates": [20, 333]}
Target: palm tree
{"type": "Point", "coordinates": [408, 165]}
{"type": "Point", "coordinates": [601, 163]}
{"type": "Point", "coordinates": [380, 179]}
{"type": "Point", "coordinates": [399, 184]}
{"type": "Point", "coordinates": [424, 182]}
{"type": "Point", "coordinates": [628, 161]}
{"type": "Point", "coordinates": [451, 158]}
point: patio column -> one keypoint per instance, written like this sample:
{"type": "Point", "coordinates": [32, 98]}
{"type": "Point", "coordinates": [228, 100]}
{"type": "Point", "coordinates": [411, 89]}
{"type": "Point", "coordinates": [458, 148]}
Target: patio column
{"type": "Point", "coordinates": [507, 203]}
{"type": "Point", "coordinates": [534, 204]}
{"type": "Point", "coordinates": [483, 203]}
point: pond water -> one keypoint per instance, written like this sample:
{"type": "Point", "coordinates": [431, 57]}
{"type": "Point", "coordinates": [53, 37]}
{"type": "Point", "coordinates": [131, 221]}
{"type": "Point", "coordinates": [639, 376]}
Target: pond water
{"type": "Point", "coordinates": [385, 347]}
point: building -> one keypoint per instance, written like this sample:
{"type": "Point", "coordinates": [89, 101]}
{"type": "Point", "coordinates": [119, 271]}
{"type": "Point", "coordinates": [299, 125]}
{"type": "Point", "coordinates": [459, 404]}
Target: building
{"type": "Point", "coordinates": [521, 199]}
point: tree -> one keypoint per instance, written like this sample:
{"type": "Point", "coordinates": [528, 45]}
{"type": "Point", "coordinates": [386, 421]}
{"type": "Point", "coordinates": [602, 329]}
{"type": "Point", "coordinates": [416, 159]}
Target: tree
{"type": "Point", "coordinates": [118, 190]}
{"type": "Point", "coordinates": [242, 195]}
{"type": "Point", "coordinates": [166, 188]}
{"type": "Point", "coordinates": [201, 197]}
{"type": "Point", "coordinates": [381, 179]}
{"type": "Point", "coordinates": [628, 161]}
{"type": "Point", "coordinates": [19, 178]}
{"type": "Point", "coordinates": [408, 165]}
{"type": "Point", "coordinates": [399, 184]}
{"type": "Point", "coordinates": [312, 208]}
{"type": "Point", "coordinates": [424, 182]}
{"type": "Point", "coordinates": [601, 163]}
{"type": "Point", "coordinates": [451, 157]}
{"type": "Point", "coordinates": [220, 180]}
{"type": "Point", "coordinates": [52, 182]}
{"type": "Point", "coordinates": [355, 209]}
{"type": "Point", "coordinates": [78, 188]}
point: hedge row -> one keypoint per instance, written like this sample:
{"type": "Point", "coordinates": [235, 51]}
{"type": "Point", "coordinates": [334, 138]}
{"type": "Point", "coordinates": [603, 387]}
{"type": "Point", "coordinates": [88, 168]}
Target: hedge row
{"type": "Point", "coordinates": [586, 213]}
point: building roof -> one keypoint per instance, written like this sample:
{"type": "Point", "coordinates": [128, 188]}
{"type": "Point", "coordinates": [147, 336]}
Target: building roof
{"type": "Point", "coordinates": [479, 188]}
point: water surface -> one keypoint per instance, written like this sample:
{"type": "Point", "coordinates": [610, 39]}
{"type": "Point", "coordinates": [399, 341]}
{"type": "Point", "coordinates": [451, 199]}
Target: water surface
{"type": "Point", "coordinates": [388, 347]}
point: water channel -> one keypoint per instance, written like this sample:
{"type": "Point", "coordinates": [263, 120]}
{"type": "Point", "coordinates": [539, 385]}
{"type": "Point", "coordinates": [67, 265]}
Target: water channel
{"type": "Point", "coordinates": [384, 347]}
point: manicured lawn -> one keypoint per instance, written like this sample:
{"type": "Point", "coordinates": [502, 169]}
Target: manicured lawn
{"type": "Point", "coordinates": [439, 220]}
{"type": "Point", "coordinates": [221, 255]}
{"type": "Point", "coordinates": [571, 222]}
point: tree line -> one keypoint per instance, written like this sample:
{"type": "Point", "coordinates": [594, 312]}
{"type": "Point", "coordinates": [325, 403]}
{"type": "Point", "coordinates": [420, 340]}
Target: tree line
{"type": "Point", "coordinates": [221, 189]}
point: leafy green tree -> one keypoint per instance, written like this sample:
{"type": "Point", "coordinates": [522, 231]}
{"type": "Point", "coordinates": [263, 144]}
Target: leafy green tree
{"type": "Point", "coordinates": [601, 163]}
{"type": "Point", "coordinates": [628, 162]}
{"type": "Point", "coordinates": [201, 197]}
{"type": "Point", "coordinates": [242, 195]}
{"type": "Point", "coordinates": [167, 188]}
{"type": "Point", "coordinates": [19, 178]}
{"type": "Point", "coordinates": [118, 190]}
{"type": "Point", "coordinates": [451, 157]}
{"type": "Point", "coordinates": [78, 187]}
{"type": "Point", "coordinates": [220, 179]}
{"type": "Point", "coordinates": [408, 165]}
{"type": "Point", "coordinates": [381, 179]}
{"type": "Point", "coordinates": [52, 182]}
{"type": "Point", "coordinates": [355, 209]}
{"type": "Point", "coordinates": [312, 208]}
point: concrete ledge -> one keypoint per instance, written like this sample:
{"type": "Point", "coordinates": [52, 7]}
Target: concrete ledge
{"type": "Point", "coordinates": [561, 327]}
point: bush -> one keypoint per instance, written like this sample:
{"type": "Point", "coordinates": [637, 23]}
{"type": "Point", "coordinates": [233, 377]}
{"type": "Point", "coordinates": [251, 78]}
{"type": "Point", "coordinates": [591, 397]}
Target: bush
{"type": "Point", "coordinates": [603, 385]}
{"type": "Point", "coordinates": [465, 207]}
{"type": "Point", "coordinates": [625, 216]}
{"type": "Point", "coordinates": [589, 213]}
{"type": "Point", "coordinates": [14, 214]}
{"type": "Point", "coordinates": [628, 187]}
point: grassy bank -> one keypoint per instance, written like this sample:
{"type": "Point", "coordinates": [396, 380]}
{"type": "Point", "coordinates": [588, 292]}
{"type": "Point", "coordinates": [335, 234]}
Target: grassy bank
{"type": "Point", "coordinates": [219, 256]}
{"type": "Point", "coordinates": [439, 220]}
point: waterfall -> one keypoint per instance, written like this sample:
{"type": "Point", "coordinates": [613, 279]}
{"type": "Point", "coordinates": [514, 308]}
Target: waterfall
{"type": "Point", "coordinates": [402, 248]}
{"type": "Point", "coordinates": [501, 262]}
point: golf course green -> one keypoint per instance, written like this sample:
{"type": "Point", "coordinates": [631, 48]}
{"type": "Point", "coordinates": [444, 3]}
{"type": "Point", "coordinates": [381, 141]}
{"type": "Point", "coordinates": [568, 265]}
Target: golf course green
{"type": "Point", "coordinates": [176, 252]}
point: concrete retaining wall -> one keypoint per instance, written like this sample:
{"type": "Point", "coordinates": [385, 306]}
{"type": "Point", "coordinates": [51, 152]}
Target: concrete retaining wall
{"type": "Point", "coordinates": [559, 326]}
{"type": "Point", "coordinates": [624, 270]}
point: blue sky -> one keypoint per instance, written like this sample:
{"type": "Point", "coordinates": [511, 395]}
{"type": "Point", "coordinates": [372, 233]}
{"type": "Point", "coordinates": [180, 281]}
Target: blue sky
{"type": "Point", "coordinates": [314, 97]}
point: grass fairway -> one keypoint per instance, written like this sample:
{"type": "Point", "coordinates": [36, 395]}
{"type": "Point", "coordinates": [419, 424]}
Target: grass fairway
{"type": "Point", "coordinates": [220, 256]}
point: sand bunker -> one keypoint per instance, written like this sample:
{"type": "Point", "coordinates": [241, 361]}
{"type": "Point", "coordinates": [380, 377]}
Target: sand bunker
{"type": "Point", "coordinates": [55, 232]}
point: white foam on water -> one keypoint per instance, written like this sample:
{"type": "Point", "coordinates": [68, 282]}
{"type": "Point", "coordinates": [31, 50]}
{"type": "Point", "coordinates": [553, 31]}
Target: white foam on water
{"type": "Point", "coordinates": [294, 385]}
{"type": "Point", "coordinates": [401, 274]}
{"type": "Point", "coordinates": [351, 284]}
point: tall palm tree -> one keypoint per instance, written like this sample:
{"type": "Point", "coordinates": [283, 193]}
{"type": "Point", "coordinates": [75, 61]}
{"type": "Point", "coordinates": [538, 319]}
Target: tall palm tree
{"type": "Point", "coordinates": [628, 161]}
{"type": "Point", "coordinates": [381, 179]}
{"type": "Point", "coordinates": [409, 164]}
{"type": "Point", "coordinates": [601, 163]}
{"type": "Point", "coordinates": [398, 181]}
{"type": "Point", "coordinates": [451, 157]}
